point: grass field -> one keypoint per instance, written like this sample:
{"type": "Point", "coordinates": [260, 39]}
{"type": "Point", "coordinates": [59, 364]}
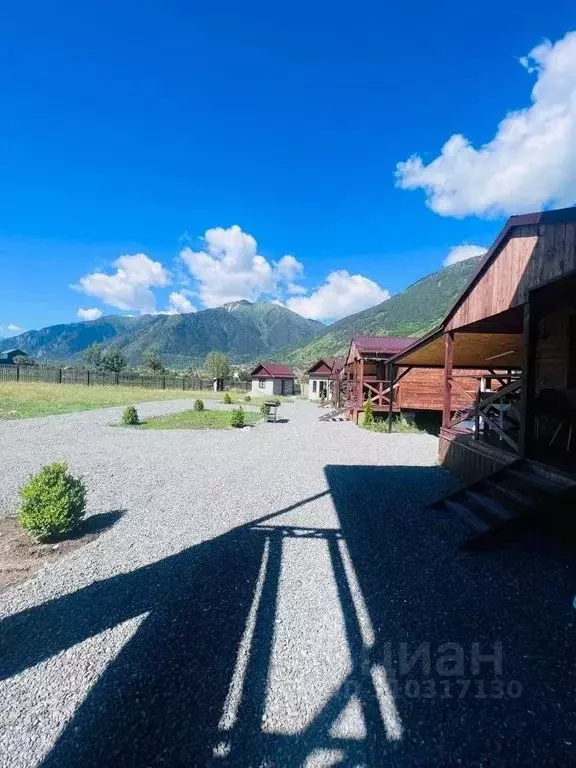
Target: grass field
{"type": "Point", "coordinates": [196, 420]}
{"type": "Point", "coordinates": [25, 400]}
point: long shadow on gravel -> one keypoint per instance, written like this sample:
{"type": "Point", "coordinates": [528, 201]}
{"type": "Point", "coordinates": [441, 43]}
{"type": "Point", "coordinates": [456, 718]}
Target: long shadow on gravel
{"type": "Point", "coordinates": [189, 688]}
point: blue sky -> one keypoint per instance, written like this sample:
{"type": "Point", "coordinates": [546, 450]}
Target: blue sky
{"type": "Point", "coordinates": [131, 129]}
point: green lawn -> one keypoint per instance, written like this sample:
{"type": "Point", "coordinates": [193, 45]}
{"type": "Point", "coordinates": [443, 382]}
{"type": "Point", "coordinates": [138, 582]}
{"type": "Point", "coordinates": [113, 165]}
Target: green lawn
{"type": "Point", "coordinates": [196, 420]}
{"type": "Point", "coordinates": [22, 400]}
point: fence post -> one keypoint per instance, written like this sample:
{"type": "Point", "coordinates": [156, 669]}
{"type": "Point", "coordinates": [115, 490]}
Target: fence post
{"type": "Point", "coordinates": [117, 379]}
{"type": "Point", "coordinates": [183, 383]}
{"type": "Point", "coordinates": [164, 382]}
{"type": "Point", "coordinates": [17, 373]}
{"type": "Point", "coordinates": [88, 378]}
{"type": "Point", "coordinates": [59, 375]}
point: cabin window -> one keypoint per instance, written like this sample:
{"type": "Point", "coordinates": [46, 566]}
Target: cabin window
{"type": "Point", "coordinates": [381, 370]}
{"type": "Point", "coordinates": [572, 353]}
{"type": "Point", "coordinates": [261, 383]}
{"type": "Point", "coordinates": [314, 386]}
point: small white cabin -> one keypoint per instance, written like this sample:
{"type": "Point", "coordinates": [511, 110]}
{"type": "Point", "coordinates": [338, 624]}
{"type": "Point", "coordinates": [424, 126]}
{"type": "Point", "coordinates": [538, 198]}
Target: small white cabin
{"type": "Point", "coordinates": [322, 377]}
{"type": "Point", "coordinates": [272, 379]}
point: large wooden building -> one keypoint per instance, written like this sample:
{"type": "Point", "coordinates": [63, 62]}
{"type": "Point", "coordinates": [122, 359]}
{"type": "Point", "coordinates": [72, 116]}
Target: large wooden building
{"type": "Point", "coordinates": [366, 375]}
{"type": "Point", "coordinates": [517, 313]}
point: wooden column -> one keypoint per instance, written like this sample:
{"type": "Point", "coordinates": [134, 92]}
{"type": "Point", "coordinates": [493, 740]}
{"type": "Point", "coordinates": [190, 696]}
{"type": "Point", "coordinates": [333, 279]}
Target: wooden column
{"type": "Point", "coordinates": [527, 392]}
{"type": "Point", "coordinates": [448, 360]}
{"type": "Point", "coordinates": [391, 376]}
{"type": "Point", "coordinates": [361, 384]}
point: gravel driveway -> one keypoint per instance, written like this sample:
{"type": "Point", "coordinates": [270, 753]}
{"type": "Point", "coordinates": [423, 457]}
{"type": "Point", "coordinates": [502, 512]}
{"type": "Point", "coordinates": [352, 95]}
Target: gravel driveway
{"type": "Point", "coordinates": [258, 603]}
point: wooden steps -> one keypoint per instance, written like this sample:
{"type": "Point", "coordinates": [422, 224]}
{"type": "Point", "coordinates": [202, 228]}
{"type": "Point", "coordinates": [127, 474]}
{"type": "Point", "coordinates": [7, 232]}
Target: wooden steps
{"type": "Point", "coordinates": [492, 507]}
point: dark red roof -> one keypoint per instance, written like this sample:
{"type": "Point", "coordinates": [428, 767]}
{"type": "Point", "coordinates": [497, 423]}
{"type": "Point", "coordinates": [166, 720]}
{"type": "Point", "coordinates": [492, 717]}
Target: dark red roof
{"type": "Point", "coordinates": [383, 345]}
{"type": "Point", "coordinates": [272, 371]}
{"type": "Point", "coordinates": [326, 366]}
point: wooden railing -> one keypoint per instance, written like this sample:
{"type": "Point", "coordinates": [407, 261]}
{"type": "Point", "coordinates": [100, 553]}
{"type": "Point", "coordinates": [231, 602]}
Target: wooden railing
{"type": "Point", "coordinates": [376, 390]}
{"type": "Point", "coordinates": [491, 408]}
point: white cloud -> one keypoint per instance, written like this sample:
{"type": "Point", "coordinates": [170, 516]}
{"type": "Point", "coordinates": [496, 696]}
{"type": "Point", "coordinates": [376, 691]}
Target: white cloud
{"type": "Point", "coordinates": [531, 161]}
{"type": "Point", "coordinates": [289, 268]}
{"type": "Point", "coordinates": [89, 314]}
{"type": "Point", "coordinates": [230, 268]}
{"type": "Point", "coordinates": [462, 252]}
{"type": "Point", "coordinates": [129, 287]}
{"type": "Point", "coordinates": [295, 290]}
{"type": "Point", "coordinates": [14, 328]}
{"type": "Point", "coordinates": [342, 294]}
{"type": "Point", "coordinates": [180, 304]}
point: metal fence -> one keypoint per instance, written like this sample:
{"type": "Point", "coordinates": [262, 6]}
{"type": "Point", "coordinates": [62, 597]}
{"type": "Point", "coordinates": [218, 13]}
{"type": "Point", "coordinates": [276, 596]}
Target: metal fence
{"type": "Point", "coordinates": [53, 375]}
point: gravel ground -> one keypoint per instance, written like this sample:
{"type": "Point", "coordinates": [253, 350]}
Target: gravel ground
{"type": "Point", "coordinates": [253, 604]}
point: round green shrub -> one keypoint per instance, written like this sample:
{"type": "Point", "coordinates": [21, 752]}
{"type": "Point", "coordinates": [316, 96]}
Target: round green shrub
{"type": "Point", "coordinates": [265, 409]}
{"type": "Point", "coordinates": [247, 399]}
{"type": "Point", "coordinates": [237, 418]}
{"type": "Point", "coordinates": [51, 502]}
{"type": "Point", "coordinates": [198, 405]}
{"type": "Point", "coordinates": [130, 415]}
{"type": "Point", "coordinates": [227, 398]}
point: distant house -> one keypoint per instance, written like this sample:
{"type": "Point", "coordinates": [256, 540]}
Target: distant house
{"type": "Point", "coordinates": [322, 377]}
{"type": "Point", "coordinates": [9, 355]}
{"type": "Point", "coordinates": [272, 379]}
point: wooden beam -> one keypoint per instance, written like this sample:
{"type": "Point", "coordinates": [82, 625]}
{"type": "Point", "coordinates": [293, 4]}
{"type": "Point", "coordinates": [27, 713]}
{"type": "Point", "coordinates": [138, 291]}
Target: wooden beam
{"type": "Point", "coordinates": [528, 379]}
{"type": "Point", "coordinates": [448, 361]}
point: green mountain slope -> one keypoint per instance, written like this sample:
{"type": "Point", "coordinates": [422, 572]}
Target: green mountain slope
{"type": "Point", "coordinates": [410, 313]}
{"type": "Point", "coordinates": [243, 330]}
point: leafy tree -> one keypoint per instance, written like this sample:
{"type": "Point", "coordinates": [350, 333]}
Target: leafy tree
{"type": "Point", "coordinates": [23, 360]}
{"type": "Point", "coordinates": [113, 360]}
{"type": "Point", "coordinates": [152, 360]}
{"type": "Point", "coordinates": [93, 355]}
{"type": "Point", "coordinates": [217, 367]}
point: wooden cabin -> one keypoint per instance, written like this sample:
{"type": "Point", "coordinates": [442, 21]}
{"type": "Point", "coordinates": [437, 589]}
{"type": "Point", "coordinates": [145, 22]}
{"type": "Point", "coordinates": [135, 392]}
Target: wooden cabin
{"type": "Point", "coordinates": [517, 313]}
{"type": "Point", "coordinates": [323, 377]}
{"type": "Point", "coordinates": [366, 375]}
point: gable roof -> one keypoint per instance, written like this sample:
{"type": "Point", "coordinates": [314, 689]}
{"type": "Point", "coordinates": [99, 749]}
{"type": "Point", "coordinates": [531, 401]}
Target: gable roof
{"type": "Point", "coordinates": [559, 216]}
{"type": "Point", "coordinates": [326, 366]}
{"type": "Point", "coordinates": [15, 351]}
{"type": "Point", "coordinates": [383, 345]}
{"type": "Point", "coordinates": [272, 371]}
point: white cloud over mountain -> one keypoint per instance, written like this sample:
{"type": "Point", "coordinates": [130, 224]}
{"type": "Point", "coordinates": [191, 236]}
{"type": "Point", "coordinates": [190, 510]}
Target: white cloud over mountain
{"type": "Point", "coordinates": [227, 268]}
{"type": "Point", "coordinates": [342, 294]}
{"type": "Point", "coordinates": [462, 252]}
{"type": "Point", "coordinates": [530, 162]}
{"type": "Point", "coordinates": [129, 288]}
{"type": "Point", "coordinates": [88, 314]}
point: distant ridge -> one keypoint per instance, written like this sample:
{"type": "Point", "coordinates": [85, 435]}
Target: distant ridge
{"type": "Point", "coordinates": [243, 330]}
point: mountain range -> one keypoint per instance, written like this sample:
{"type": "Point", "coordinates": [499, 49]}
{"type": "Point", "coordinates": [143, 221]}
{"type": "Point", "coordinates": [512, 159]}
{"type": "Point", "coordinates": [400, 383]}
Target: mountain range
{"type": "Point", "coordinates": [414, 312]}
{"type": "Point", "coordinates": [245, 331]}
{"type": "Point", "coordinates": [249, 331]}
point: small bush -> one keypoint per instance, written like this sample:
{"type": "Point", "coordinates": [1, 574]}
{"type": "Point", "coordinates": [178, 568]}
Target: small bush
{"type": "Point", "coordinates": [247, 399]}
{"type": "Point", "coordinates": [265, 409]}
{"type": "Point", "coordinates": [130, 415]}
{"type": "Point", "coordinates": [51, 502]}
{"type": "Point", "coordinates": [198, 405]}
{"type": "Point", "coordinates": [227, 398]}
{"type": "Point", "coordinates": [237, 419]}
{"type": "Point", "coordinates": [368, 413]}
